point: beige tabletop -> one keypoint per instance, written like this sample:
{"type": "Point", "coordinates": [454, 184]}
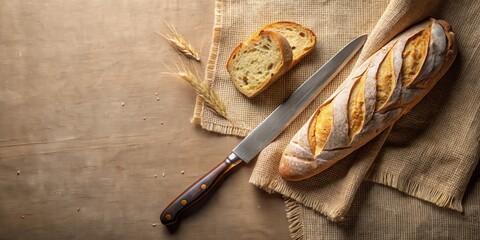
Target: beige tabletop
{"type": "Point", "coordinates": [87, 151]}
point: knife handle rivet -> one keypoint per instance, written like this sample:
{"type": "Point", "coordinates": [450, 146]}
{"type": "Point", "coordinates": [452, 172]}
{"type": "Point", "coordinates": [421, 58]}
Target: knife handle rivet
{"type": "Point", "coordinates": [184, 202]}
{"type": "Point", "coordinates": [203, 187]}
{"type": "Point", "coordinates": [168, 216]}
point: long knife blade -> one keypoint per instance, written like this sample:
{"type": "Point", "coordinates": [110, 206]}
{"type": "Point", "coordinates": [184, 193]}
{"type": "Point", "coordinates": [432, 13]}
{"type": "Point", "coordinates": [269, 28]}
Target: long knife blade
{"type": "Point", "coordinates": [263, 134]}
{"type": "Point", "coordinates": [284, 114]}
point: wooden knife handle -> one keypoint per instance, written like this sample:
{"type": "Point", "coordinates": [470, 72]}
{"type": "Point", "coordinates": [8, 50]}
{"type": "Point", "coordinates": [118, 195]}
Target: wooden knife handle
{"type": "Point", "coordinates": [198, 190]}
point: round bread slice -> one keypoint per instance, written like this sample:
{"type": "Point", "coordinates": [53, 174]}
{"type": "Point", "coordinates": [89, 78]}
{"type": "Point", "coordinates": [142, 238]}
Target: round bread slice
{"type": "Point", "coordinates": [260, 61]}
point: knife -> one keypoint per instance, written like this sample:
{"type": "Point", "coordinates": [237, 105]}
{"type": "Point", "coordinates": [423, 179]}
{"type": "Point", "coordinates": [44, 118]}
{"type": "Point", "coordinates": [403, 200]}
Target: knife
{"type": "Point", "coordinates": [264, 133]}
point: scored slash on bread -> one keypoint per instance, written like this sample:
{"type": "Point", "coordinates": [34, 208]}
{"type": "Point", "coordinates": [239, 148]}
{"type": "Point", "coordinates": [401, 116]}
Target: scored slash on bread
{"type": "Point", "coordinates": [375, 95]}
{"type": "Point", "coordinates": [268, 54]}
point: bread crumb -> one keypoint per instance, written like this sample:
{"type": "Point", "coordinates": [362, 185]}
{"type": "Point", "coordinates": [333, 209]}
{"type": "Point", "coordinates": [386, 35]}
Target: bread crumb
{"type": "Point", "coordinates": [154, 225]}
{"type": "Point", "coordinates": [78, 209]}
{"type": "Point", "coordinates": [155, 176]}
{"type": "Point", "coordinates": [182, 172]}
{"type": "Point", "coordinates": [156, 93]}
{"type": "Point", "coordinates": [18, 173]}
{"type": "Point", "coordinates": [123, 104]}
{"type": "Point", "coordinates": [161, 123]}
{"type": "Point", "coordinates": [144, 118]}
{"type": "Point", "coordinates": [23, 217]}
{"type": "Point", "coordinates": [163, 174]}
{"type": "Point", "coordinates": [158, 99]}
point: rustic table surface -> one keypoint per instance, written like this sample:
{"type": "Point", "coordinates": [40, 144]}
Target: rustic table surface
{"type": "Point", "coordinates": [95, 140]}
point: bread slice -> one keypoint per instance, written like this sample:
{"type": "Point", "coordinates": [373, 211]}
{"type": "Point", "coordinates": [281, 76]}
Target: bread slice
{"type": "Point", "coordinates": [260, 61]}
{"type": "Point", "coordinates": [302, 40]}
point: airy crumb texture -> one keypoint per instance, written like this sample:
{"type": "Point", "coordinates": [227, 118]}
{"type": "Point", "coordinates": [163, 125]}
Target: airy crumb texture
{"type": "Point", "coordinates": [302, 40]}
{"type": "Point", "coordinates": [268, 54]}
{"type": "Point", "coordinates": [259, 62]}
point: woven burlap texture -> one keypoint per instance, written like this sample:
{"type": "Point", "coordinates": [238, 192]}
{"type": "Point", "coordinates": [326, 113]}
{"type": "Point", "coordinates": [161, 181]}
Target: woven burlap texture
{"type": "Point", "coordinates": [429, 154]}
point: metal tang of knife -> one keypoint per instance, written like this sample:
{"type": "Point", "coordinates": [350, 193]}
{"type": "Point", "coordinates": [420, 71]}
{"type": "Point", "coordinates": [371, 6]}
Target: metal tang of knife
{"type": "Point", "coordinates": [264, 133]}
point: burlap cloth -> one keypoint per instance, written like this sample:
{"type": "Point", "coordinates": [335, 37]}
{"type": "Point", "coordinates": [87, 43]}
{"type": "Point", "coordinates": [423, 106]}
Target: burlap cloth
{"type": "Point", "coordinates": [429, 154]}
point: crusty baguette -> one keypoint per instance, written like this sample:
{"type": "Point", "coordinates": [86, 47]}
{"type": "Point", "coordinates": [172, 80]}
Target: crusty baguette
{"type": "Point", "coordinates": [373, 97]}
{"type": "Point", "coordinates": [301, 39]}
{"type": "Point", "coordinates": [260, 61]}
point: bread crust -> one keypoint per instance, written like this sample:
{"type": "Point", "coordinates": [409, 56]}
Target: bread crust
{"type": "Point", "coordinates": [299, 162]}
{"type": "Point", "coordinates": [286, 60]}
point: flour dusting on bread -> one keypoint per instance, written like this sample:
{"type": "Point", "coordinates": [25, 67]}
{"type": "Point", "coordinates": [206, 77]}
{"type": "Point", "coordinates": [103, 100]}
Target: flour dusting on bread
{"type": "Point", "coordinates": [384, 88]}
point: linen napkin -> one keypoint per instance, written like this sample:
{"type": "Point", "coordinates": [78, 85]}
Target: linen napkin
{"type": "Point", "coordinates": [429, 154]}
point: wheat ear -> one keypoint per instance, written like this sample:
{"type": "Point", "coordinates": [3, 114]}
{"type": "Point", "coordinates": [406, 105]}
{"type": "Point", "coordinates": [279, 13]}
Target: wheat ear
{"type": "Point", "coordinates": [179, 43]}
{"type": "Point", "coordinates": [203, 89]}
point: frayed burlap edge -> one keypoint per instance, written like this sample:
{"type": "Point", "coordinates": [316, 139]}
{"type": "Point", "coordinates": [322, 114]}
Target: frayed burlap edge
{"type": "Point", "coordinates": [330, 212]}
{"type": "Point", "coordinates": [294, 219]}
{"type": "Point", "coordinates": [417, 190]}
{"type": "Point", "coordinates": [212, 59]}
{"type": "Point", "coordinates": [225, 129]}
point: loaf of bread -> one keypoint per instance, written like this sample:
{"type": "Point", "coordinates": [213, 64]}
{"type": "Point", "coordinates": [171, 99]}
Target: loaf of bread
{"type": "Point", "coordinates": [268, 54]}
{"type": "Point", "coordinates": [373, 97]}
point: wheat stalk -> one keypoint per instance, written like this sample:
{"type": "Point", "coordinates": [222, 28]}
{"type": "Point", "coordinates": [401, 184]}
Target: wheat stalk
{"type": "Point", "coordinates": [203, 89]}
{"type": "Point", "coordinates": [179, 43]}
